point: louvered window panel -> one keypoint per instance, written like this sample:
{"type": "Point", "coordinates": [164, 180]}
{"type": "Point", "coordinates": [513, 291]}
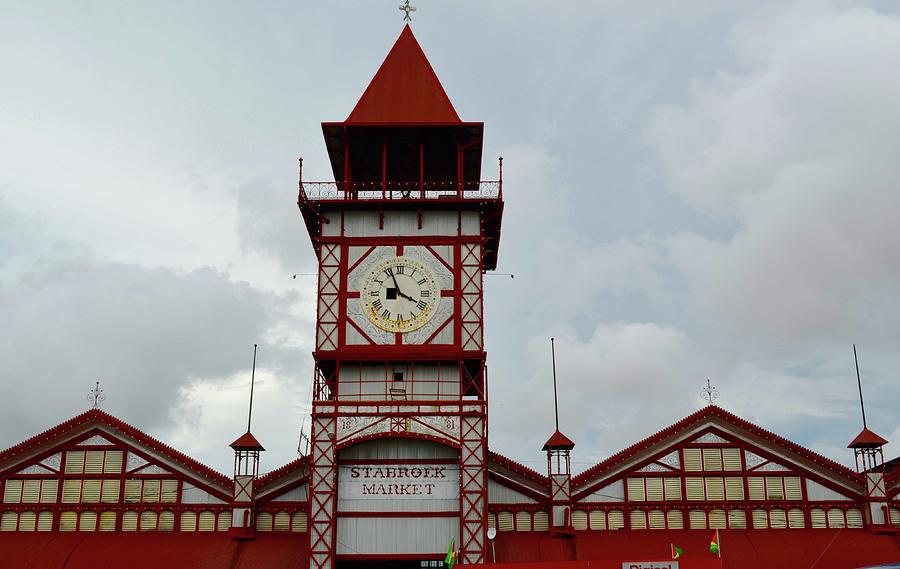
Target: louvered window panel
{"type": "Point", "coordinates": [107, 521]}
{"type": "Point", "coordinates": [49, 489]}
{"type": "Point", "coordinates": [505, 521]}
{"type": "Point", "coordinates": [737, 519]}
{"type": "Point", "coordinates": [113, 462]}
{"type": "Point", "coordinates": [169, 491]}
{"type": "Point", "coordinates": [756, 488]}
{"type": "Point", "coordinates": [760, 519]}
{"type": "Point", "coordinates": [93, 462]}
{"type": "Point", "coordinates": [636, 490]}
{"type": "Point", "coordinates": [87, 521]}
{"type": "Point", "coordinates": [110, 494]}
{"type": "Point", "coordinates": [731, 459]}
{"type": "Point", "coordinates": [264, 521]}
{"type": "Point", "coordinates": [523, 521]}
{"type": "Point", "coordinates": [71, 491]}
{"type": "Point", "coordinates": [166, 521]}
{"type": "Point", "coordinates": [698, 519]}
{"type": "Point", "coordinates": [795, 519]}
{"type": "Point", "coordinates": [90, 491]}
{"type": "Point", "coordinates": [673, 488]}
{"type": "Point", "coordinates": [130, 521]}
{"type": "Point", "coordinates": [734, 488]}
{"type": "Point", "coordinates": [282, 521]}
{"type": "Point", "coordinates": [31, 491]}
{"type": "Point", "coordinates": [712, 459]}
{"type": "Point", "coordinates": [492, 520]}
{"type": "Point", "coordinates": [817, 518]}
{"type": "Point", "coordinates": [854, 518]}
{"type": "Point", "coordinates": [654, 489]}
{"type": "Point", "coordinates": [188, 521]}
{"type": "Point", "coordinates": [223, 521]}
{"type": "Point", "coordinates": [777, 519]}
{"type": "Point", "coordinates": [717, 519]}
{"type": "Point", "coordinates": [598, 520]}
{"type": "Point", "coordinates": [615, 520]}
{"type": "Point", "coordinates": [12, 492]}
{"type": "Point", "coordinates": [675, 519]}
{"type": "Point", "coordinates": [792, 489]}
{"type": "Point", "coordinates": [895, 516]}
{"type": "Point", "coordinates": [298, 522]}
{"type": "Point", "coordinates": [207, 521]}
{"type": "Point", "coordinates": [774, 488]}
{"type": "Point", "coordinates": [692, 461]}
{"type": "Point", "coordinates": [579, 520]}
{"type": "Point", "coordinates": [45, 521]}
{"type": "Point", "coordinates": [656, 519]}
{"type": "Point", "coordinates": [638, 519]}
{"type": "Point", "coordinates": [541, 521]}
{"type": "Point", "coordinates": [68, 521]}
{"type": "Point", "coordinates": [75, 462]}
{"type": "Point", "coordinates": [27, 521]}
{"type": "Point", "coordinates": [151, 491]}
{"type": "Point", "coordinates": [8, 521]}
{"type": "Point", "coordinates": [694, 487]}
{"type": "Point", "coordinates": [132, 491]}
{"type": "Point", "coordinates": [715, 488]}
{"type": "Point", "coordinates": [149, 521]}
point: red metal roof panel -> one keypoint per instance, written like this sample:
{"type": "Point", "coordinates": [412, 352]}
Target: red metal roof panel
{"type": "Point", "coordinates": [558, 441]}
{"type": "Point", "coordinates": [867, 439]}
{"type": "Point", "coordinates": [246, 442]}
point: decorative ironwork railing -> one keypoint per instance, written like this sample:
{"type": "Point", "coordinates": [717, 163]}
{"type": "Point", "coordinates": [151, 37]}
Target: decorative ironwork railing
{"type": "Point", "coordinates": [314, 191]}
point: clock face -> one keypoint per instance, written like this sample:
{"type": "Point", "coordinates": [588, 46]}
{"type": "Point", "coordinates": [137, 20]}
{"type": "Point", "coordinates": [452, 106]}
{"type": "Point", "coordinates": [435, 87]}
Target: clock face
{"type": "Point", "coordinates": [399, 294]}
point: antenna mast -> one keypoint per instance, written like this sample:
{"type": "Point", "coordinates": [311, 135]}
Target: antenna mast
{"type": "Point", "coordinates": [862, 405]}
{"type": "Point", "coordinates": [555, 403]}
{"type": "Point", "coordinates": [252, 381]}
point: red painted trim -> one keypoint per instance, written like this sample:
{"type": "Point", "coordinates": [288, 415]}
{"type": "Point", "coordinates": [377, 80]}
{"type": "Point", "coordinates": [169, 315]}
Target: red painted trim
{"type": "Point", "coordinates": [391, 435]}
{"type": "Point", "coordinates": [281, 471]}
{"type": "Point", "coordinates": [350, 462]}
{"type": "Point", "coordinates": [450, 514]}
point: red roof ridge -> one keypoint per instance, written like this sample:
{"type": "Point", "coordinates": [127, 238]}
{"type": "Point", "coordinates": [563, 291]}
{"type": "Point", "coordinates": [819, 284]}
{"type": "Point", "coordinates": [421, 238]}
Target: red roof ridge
{"type": "Point", "coordinates": [518, 467]}
{"type": "Point", "coordinates": [405, 89]}
{"type": "Point", "coordinates": [281, 471]}
{"type": "Point", "coordinates": [714, 410]}
{"type": "Point", "coordinates": [116, 423]}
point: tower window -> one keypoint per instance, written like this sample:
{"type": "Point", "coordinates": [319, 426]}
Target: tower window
{"type": "Point", "coordinates": [398, 376]}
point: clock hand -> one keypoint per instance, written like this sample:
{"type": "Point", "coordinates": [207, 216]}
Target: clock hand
{"type": "Point", "coordinates": [400, 292]}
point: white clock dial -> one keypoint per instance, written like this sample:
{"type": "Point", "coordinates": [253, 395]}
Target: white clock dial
{"type": "Point", "coordinates": [400, 294]}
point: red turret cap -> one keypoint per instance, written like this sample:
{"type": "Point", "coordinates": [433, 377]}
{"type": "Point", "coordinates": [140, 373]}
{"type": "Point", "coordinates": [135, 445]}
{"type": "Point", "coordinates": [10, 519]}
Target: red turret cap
{"type": "Point", "coordinates": [246, 442]}
{"type": "Point", "coordinates": [867, 439]}
{"type": "Point", "coordinates": [558, 441]}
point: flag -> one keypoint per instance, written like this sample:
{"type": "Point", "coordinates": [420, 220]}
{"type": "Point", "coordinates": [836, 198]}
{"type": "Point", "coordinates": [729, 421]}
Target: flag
{"type": "Point", "coordinates": [714, 544]}
{"type": "Point", "coordinates": [450, 559]}
{"type": "Point", "coordinates": [676, 551]}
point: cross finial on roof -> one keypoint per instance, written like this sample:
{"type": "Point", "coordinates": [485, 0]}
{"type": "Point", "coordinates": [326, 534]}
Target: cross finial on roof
{"type": "Point", "coordinates": [95, 396]}
{"type": "Point", "coordinates": [710, 392]}
{"type": "Point", "coordinates": [406, 7]}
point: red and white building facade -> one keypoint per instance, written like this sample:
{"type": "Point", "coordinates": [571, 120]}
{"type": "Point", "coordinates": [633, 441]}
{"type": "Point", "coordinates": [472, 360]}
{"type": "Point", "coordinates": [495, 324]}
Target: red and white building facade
{"type": "Point", "coordinates": [399, 465]}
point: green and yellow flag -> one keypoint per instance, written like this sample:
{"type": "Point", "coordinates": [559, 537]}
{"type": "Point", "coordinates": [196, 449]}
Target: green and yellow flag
{"type": "Point", "coordinates": [714, 544]}
{"type": "Point", "coordinates": [676, 551]}
{"type": "Point", "coordinates": [450, 559]}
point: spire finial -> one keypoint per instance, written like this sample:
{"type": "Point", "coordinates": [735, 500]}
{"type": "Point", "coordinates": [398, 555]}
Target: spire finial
{"type": "Point", "coordinates": [710, 392]}
{"type": "Point", "coordinates": [555, 402]}
{"type": "Point", "coordinates": [96, 396]}
{"type": "Point", "coordinates": [862, 405]}
{"type": "Point", "coordinates": [407, 8]}
{"type": "Point", "coordinates": [252, 381]}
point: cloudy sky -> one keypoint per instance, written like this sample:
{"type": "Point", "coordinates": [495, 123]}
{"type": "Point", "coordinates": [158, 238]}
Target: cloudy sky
{"type": "Point", "coordinates": [694, 189]}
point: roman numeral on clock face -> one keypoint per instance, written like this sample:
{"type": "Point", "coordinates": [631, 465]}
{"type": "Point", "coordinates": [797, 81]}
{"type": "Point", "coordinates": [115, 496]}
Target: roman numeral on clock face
{"type": "Point", "coordinates": [421, 305]}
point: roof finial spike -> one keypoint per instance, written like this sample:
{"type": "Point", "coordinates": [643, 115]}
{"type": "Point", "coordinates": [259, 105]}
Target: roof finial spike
{"type": "Point", "coordinates": [862, 405]}
{"type": "Point", "coordinates": [710, 392]}
{"type": "Point", "coordinates": [407, 8]}
{"type": "Point", "coordinates": [555, 402]}
{"type": "Point", "coordinates": [252, 381]}
{"type": "Point", "coordinates": [96, 396]}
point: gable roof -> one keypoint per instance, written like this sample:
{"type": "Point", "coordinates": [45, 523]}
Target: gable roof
{"type": "Point", "coordinates": [95, 417]}
{"type": "Point", "coordinates": [405, 89]}
{"type": "Point", "coordinates": [703, 415]}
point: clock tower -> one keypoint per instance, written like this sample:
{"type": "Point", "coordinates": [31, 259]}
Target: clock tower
{"type": "Point", "coordinates": [403, 236]}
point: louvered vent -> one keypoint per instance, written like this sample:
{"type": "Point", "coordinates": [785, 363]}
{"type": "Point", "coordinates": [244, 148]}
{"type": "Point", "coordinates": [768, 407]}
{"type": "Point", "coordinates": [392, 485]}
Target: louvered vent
{"type": "Point", "coordinates": [615, 520]}
{"type": "Point", "coordinates": [523, 521]}
{"type": "Point", "coordinates": [774, 488]}
{"type": "Point", "coordinates": [8, 521]}
{"type": "Point", "coordinates": [756, 488]}
{"type": "Point", "coordinates": [737, 519]}
{"type": "Point", "coordinates": [12, 492]}
{"type": "Point", "coordinates": [298, 522]}
{"type": "Point", "coordinates": [656, 519]}
{"type": "Point", "coordinates": [492, 520]}
{"type": "Point", "coordinates": [93, 462]}
{"type": "Point", "coordinates": [110, 493]}
{"type": "Point", "coordinates": [113, 462]}
{"type": "Point", "coordinates": [188, 521]}
{"type": "Point", "coordinates": [675, 519]}
{"type": "Point", "coordinates": [75, 462]}
{"type": "Point", "coordinates": [692, 461]}
{"type": "Point", "coordinates": [27, 521]}
{"type": "Point", "coordinates": [731, 457]}
{"type": "Point", "coordinates": [638, 519]}
{"type": "Point", "coordinates": [792, 489]}
{"type": "Point", "coordinates": [854, 518]}
{"type": "Point", "coordinates": [166, 520]}
{"type": "Point", "coordinates": [169, 491]}
{"type": "Point", "coordinates": [282, 521]}
{"type": "Point", "coordinates": [132, 491]}
{"type": "Point", "coordinates": [505, 521]}
{"type": "Point", "coordinates": [129, 521]}
{"type": "Point", "coordinates": [107, 521]}
{"type": "Point", "coordinates": [90, 491]}
{"type": "Point", "coordinates": [654, 489]}
{"type": "Point", "coordinates": [207, 521]}
{"type": "Point", "coordinates": [712, 459]}
{"type": "Point", "coordinates": [541, 521]}
{"type": "Point", "coordinates": [817, 518]}
{"type": "Point", "coordinates": [31, 491]}
{"type": "Point", "coordinates": [598, 520]}
{"type": "Point", "coordinates": [717, 519]}
{"type": "Point", "coordinates": [636, 490]}
{"type": "Point", "coordinates": [694, 487]}
{"type": "Point", "coordinates": [223, 521]}
{"type": "Point", "coordinates": [795, 519]}
{"type": "Point", "coordinates": [895, 516]}
{"type": "Point", "coordinates": [698, 519]}
{"type": "Point", "coordinates": [151, 491]}
{"type": "Point", "coordinates": [49, 489]}
{"type": "Point", "coordinates": [715, 488]}
{"type": "Point", "coordinates": [760, 519]}
{"type": "Point", "coordinates": [579, 520]}
{"type": "Point", "coordinates": [263, 521]}
{"type": "Point", "coordinates": [87, 521]}
{"type": "Point", "coordinates": [777, 519]}
{"type": "Point", "coordinates": [149, 521]}
{"type": "Point", "coordinates": [45, 521]}
{"type": "Point", "coordinates": [68, 521]}
{"type": "Point", "coordinates": [673, 488]}
{"type": "Point", "coordinates": [734, 488]}
{"type": "Point", "coordinates": [71, 491]}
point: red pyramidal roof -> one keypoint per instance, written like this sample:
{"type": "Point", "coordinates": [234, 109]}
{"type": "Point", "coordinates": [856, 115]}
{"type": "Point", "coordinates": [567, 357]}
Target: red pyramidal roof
{"type": "Point", "coordinates": [558, 441]}
{"type": "Point", "coordinates": [867, 439]}
{"type": "Point", "coordinates": [405, 89]}
{"type": "Point", "coordinates": [246, 442]}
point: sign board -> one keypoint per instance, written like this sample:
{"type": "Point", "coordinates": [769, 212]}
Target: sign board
{"type": "Point", "coordinates": [649, 565]}
{"type": "Point", "coordinates": [399, 481]}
